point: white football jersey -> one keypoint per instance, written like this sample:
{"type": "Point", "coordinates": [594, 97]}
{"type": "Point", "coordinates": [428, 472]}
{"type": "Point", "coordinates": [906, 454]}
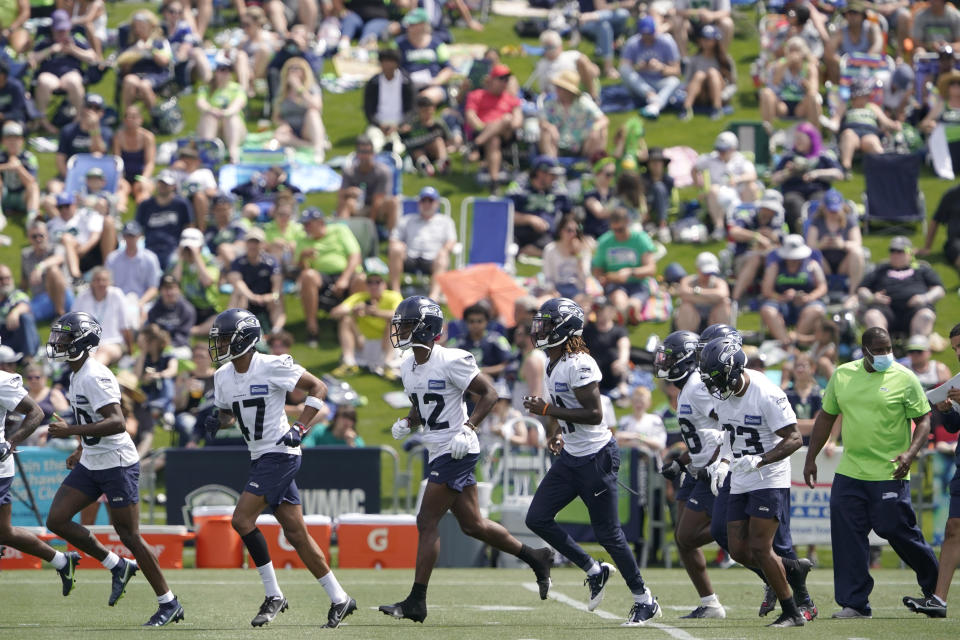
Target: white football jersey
{"type": "Point", "coordinates": [257, 399]}
{"type": "Point", "coordinates": [92, 388]}
{"type": "Point", "coordinates": [436, 388]}
{"type": "Point", "coordinates": [699, 429]}
{"type": "Point", "coordinates": [11, 393]}
{"type": "Point", "coordinates": [750, 423]}
{"type": "Point", "coordinates": [562, 380]}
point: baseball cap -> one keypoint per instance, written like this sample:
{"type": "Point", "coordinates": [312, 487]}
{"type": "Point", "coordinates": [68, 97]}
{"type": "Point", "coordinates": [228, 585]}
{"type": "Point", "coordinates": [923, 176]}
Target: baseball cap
{"type": "Point", "coordinates": [376, 268]}
{"type": "Point", "coordinates": [903, 77]}
{"type": "Point", "coordinates": [900, 243]}
{"type": "Point", "coordinates": [169, 280]}
{"type": "Point", "coordinates": [674, 273]}
{"type": "Point", "coordinates": [187, 152]}
{"type": "Point", "coordinates": [166, 176]}
{"type": "Point", "coordinates": [94, 101]}
{"type": "Point", "coordinates": [918, 342]}
{"type": "Point", "coordinates": [833, 201]}
{"type": "Point", "coordinates": [61, 20]}
{"type": "Point", "coordinates": [191, 238]}
{"type": "Point", "coordinates": [794, 248]}
{"type": "Point", "coordinates": [429, 192]}
{"type": "Point", "coordinates": [95, 172]}
{"type": "Point", "coordinates": [773, 204]}
{"type": "Point", "coordinates": [256, 233]}
{"type": "Point", "coordinates": [311, 213]}
{"type": "Point", "coordinates": [64, 198]}
{"type": "Point", "coordinates": [8, 355]}
{"type": "Point", "coordinates": [646, 26]}
{"type": "Point", "coordinates": [708, 263]}
{"type": "Point", "coordinates": [500, 71]}
{"type": "Point", "coordinates": [548, 164]}
{"type": "Point", "coordinates": [222, 197]}
{"type": "Point", "coordinates": [132, 228]}
{"type": "Point", "coordinates": [710, 32]}
{"type": "Point", "coordinates": [726, 141]}
{"type": "Point", "coordinates": [13, 129]}
{"type": "Point", "coordinates": [417, 16]}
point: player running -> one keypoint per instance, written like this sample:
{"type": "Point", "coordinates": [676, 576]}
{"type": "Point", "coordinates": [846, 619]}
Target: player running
{"type": "Point", "coordinates": [588, 458]}
{"type": "Point", "coordinates": [676, 362]}
{"type": "Point", "coordinates": [105, 463]}
{"type": "Point", "coordinates": [762, 433]}
{"type": "Point", "coordinates": [436, 379]}
{"type": "Point", "coordinates": [13, 397]}
{"type": "Point", "coordinates": [250, 389]}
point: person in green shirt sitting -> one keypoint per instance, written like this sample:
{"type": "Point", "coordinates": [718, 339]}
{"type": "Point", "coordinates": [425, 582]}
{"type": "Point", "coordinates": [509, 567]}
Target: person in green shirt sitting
{"type": "Point", "coordinates": [341, 430]}
{"type": "Point", "coordinates": [199, 277]}
{"type": "Point", "coordinates": [879, 400]}
{"type": "Point", "coordinates": [283, 232]}
{"type": "Point", "coordinates": [329, 259]}
{"type": "Point", "coordinates": [623, 261]}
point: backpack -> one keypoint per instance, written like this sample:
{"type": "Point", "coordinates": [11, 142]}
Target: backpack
{"type": "Point", "coordinates": [168, 117]}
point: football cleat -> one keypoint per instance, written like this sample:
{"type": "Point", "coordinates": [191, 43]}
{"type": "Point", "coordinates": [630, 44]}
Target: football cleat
{"type": "Point", "coordinates": [122, 573]}
{"type": "Point", "coordinates": [597, 582]}
{"type": "Point", "coordinates": [415, 610]}
{"type": "Point", "coordinates": [769, 600]}
{"type": "Point", "coordinates": [798, 577]}
{"type": "Point", "coordinates": [849, 613]}
{"type": "Point", "coordinates": [713, 611]}
{"type": "Point", "coordinates": [541, 569]}
{"type": "Point", "coordinates": [641, 612]}
{"type": "Point", "coordinates": [927, 605]}
{"type": "Point", "coordinates": [269, 610]}
{"type": "Point", "coordinates": [786, 620]}
{"type": "Point", "coordinates": [808, 609]}
{"type": "Point", "coordinates": [167, 613]}
{"type": "Point", "coordinates": [338, 612]}
{"type": "Point", "coordinates": [68, 573]}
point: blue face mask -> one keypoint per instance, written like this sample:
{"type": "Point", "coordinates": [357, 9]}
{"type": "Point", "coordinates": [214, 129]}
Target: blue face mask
{"type": "Point", "coordinates": [881, 362]}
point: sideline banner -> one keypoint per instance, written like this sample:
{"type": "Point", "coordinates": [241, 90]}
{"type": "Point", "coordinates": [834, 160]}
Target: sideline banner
{"type": "Point", "coordinates": [332, 480]}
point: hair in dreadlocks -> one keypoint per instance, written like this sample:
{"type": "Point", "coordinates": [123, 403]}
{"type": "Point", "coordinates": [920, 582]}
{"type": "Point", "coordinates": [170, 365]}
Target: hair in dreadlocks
{"type": "Point", "coordinates": [575, 345]}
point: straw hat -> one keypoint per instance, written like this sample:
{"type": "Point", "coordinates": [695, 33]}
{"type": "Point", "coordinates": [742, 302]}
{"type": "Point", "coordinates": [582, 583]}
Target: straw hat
{"type": "Point", "coordinates": [945, 80]}
{"type": "Point", "coordinates": [128, 382]}
{"type": "Point", "coordinates": [568, 80]}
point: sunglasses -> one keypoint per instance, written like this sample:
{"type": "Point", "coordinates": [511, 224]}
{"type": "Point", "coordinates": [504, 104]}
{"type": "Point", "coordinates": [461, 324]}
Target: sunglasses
{"type": "Point", "coordinates": [897, 251]}
{"type": "Point", "coordinates": [34, 377]}
{"type": "Point", "coordinates": [37, 236]}
{"type": "Point", "coordinates": [608, 174]}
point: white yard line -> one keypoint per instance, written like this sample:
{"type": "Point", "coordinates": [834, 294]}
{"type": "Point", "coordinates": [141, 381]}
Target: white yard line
{"type": "Point", "coordinates": [673, 632]}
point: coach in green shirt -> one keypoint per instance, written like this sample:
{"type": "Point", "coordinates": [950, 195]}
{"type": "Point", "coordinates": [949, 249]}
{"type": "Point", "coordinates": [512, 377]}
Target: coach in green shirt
{"type": "Point", "coordinates": [871, 489]}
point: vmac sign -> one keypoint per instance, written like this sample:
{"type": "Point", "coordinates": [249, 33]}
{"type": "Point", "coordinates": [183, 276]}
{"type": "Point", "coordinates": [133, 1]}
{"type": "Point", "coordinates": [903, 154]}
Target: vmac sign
{"type": "Point", "coordinates": [332, 480]}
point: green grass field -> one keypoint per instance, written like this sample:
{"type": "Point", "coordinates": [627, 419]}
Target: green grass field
{"type": "Point", "coordinates": [463, 604]}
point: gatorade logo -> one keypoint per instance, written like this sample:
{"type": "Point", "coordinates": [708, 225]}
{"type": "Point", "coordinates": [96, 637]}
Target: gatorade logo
{"type": "Point", "coordinates": [377, 540]}
{"type": "Point", "coordinates": [282, 542]}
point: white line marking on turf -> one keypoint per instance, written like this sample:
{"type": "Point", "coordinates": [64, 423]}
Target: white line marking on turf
{"type": "Point", "coordinates": [674, 632]}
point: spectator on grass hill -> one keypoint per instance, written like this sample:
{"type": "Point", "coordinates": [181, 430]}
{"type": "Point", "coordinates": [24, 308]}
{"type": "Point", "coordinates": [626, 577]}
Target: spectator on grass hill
{"type": "Point", "coordinates": [224, 236]}
{"type": "Point", "coordinates": [794, 85]}
{"type": "Point", "coordinates": [641, 429]}
{"type": "Point", "coordinates": [173, 313]}
{"type": "Point", "coordinates": [624, 260]}
{"type": "Point", "coordinates": [197, 183]}
{"type": "Point", "coordinates": [425, 137]}
{"type": "Point", "coordinates": [107, 304]}
{"type": "Point", "coordinates": [283, 232]}
{"type": "Point", "coordinates": [156, 369]}
{"type": "Point", "coordinates": [596, 212]}
{"type": "Point", "coordinates": [650, 67]}
{"type": "Point", "coordinates": [729, 179]}
{"type": "Point", "coordinates": [220, 104]}
{"type": "Point", "coordinates": [556, 60]}
{"type": "Point", "coordinates": [18, 329]}
{"type": "Point", "coordinates": [258, 281]}
{"type": "Point", "coordinates": [363, 328]}
{"type": "Point", "coordinates": [145, 65]}
{"type": "Point", "coordinates": [804, 173]}
{"type": "Point", "coordinates": [13, 96]}
{"type": "Point", "coordinates": [948, 214]}
{"type": "Point", "coordinates": [604, 22]}
{"type": "Point", "coordinates": [298, 112]}
{"type": "Point", "coordinates": [804, 394]}
{"type": "Point", "coordinates": [491, 350]}
{"type": "Point", "coordinates": [194, 396]}
{"type": "Point", "coordinates": [704, 296]}
{"type": "Point", "coordinates": [264, 187]}
{"type": "Point", "coordinates": [538, 206]}
{"type": "Point", "coordinates": [571, 123]}
{"type": "Point", "coordinates": [44, 275]}
{"type": "Point", "coordinates": [755, 230]}
{"type": "Point", "coordinates": [709, 74]}
{"type": "Point", "coordinates": [935, 26]}
{"type": "Point", "coordinates": [834, 230]}
{"type": "Point", "coordinates": [49, 398]}
{"type": "Point", "coordinates": [610, 347]}
{"type": "Point", "coordinates": [86, 134]}
{"type": "Point", "coordinates": [899, 295]}
{"type": "Point", "coordinates": [424, 57]}
{"type": "Point", "coordinates": [365, 21]}
{"type": "Point", "coordinates": [566, 262]}
{"type": "Point", "coordinates": [18, 173]}
{"type": "Point", "coordinates": [931, 373]}
{"type": "Point", "coordinates": [136, 271]}
{"type": "Point", "coordinates": [493, 116]}
{"type": "Point", "coordinates": [137, 147]}
{"type": "Point", "coordinates": [421, 244]}
{"type": "Point", "coordinates": [367, 188]}
{"type": "Point", "coordinates": [197, 272]}
{"type": "Point", "coordinates": [388, 101]}
{"type": "Point", "coordinates": [163, 217]}
{"type": "Point", "coordinates": [792, 288]}
{"type": "Point", "coordinates": [87, 235]}
{"type": "Point", "coordinates": [341, 430]}
{"type": "Point", "coordinates": [658, 189]}
{"type": "Point", "coordinates": [856, 35]}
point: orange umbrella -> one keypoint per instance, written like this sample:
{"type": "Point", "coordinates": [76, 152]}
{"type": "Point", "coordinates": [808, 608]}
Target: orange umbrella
{"type": "Point", "coordinates": [474, 283]}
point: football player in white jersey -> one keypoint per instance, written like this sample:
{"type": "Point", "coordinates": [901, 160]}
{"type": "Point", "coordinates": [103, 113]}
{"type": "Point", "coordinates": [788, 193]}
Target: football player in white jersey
{"type": "Point", "coordinates": [760, 431]}
{"type": "Point", "coordinates": [436, 379]}
{"type": "Point", "coordinates": [13, 397]}
{"type": "Point", "coordinates": [250, 388]}
{"type": "Point", "coordinates": [105, 463]}
{"type": "Point", "coordinates": [588, 457]}
{"type": "Point", "coordinates": [676, 362]}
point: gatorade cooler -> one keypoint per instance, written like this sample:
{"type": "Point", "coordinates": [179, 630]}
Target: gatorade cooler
{"type": "Point", "coordinates": [165, 541]}
{"type": "Point", "coordinates": [218, 545]}
{"type": "Point", "coordinates": [282, 553]}
{"type": "Point", "coordinates": [375, 540]}
{"type": "Point", "coordinates": [14, 559]}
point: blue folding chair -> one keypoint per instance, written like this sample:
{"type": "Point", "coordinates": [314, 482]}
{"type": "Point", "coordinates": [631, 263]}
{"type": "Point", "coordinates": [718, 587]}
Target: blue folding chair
{"type": "Point", "coordinates": [79, 164]}
{"type": "Point", "coordinates": [488, 233]}
{"type": "Point", "coordinates": [893, 192]}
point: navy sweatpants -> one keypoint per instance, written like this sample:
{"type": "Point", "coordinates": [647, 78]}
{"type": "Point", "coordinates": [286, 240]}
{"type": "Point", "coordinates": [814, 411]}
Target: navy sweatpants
{"type": "Point", "coordinates": [856, 506]}
{"type": "Point", "coordinates": [594, 480]}
{"type": "Point", "coordinates": [782, 541]}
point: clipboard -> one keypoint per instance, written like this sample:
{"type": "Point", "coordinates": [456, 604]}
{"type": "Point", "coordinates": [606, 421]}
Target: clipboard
{"type": "Point", "coordinates": [939, 394]}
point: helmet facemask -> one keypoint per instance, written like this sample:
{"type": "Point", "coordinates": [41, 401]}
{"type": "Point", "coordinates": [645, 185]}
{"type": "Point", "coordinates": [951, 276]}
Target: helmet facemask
{"type": "Point", "coordinates": [402, 330]}
{"type": "Point", "coordinates": [542, 331]}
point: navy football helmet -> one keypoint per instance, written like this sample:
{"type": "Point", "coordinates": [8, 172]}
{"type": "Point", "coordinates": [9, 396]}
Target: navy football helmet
{"type": "Point", "coordinates": [714, 331]}
{"type": "Point", "coordinates": [676, 356]}
{"type": "Point", "coordinates": [722, 362]}
{"type": "Point", "coordinates": [72, 335]}
{"type": "Point", "coordinates": [234, 333]}
{"type": "Point", "coordinates": [417, 322]}
{"type": "Point", "coordinates": [558, 320]}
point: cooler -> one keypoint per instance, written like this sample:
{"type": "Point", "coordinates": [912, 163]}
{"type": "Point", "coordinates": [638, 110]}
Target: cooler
{"type": "Point", "coordinates": [218, 545]}
{"type": "Point", "coordinates": [165, 541]}
{"type": "Point", "coordinates": [376, 540]}
{"type": "Point", "coordinates": [14, 559]}
{"type": "Point", "coordinates": [282, 553]}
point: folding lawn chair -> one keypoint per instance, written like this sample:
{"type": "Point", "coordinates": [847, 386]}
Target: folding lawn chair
{"type": "Point", "coordinates": [79, 164]}
{"type": "Point", "coordinates": [488, 233]}
{"type": "Point", "coordinates": [892, 190]}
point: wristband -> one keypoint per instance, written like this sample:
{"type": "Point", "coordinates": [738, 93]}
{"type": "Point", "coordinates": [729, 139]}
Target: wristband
{"type": "Point", "coordinates": [315, 402]}
{"type": "Point", "coordinates": [545, 407]}
{"type": "Point", "coordinates": [471, 425]}
{"type": "Point", "coordinates": [300, 427]}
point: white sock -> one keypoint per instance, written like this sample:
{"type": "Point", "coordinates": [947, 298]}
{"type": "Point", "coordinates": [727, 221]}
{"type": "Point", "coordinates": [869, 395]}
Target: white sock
{"type": "Point", "coordinates": [710, 601]}
{"type": "Point", "coordinates": [165, 598]}
{"type": "Point", "coordinates": [111, 560]}
{"type": "Point", "coordinates": [940, 600]}
{"type": "Point", "coordinates": [269, 578]}
{"type": "Point", "coordinates": [594, 570]}
{"type": "Point", "coordinates": [59, 560]}
{"type": "Point", "coordinates": [350, 361]}
{"type": "Point", "coordinates": [333, 588]}
{"type": "Point", "coordinates": [643, 598]}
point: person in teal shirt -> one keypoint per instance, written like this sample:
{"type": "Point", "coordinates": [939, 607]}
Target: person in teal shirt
{"type": "Point", "coordinates": [341, 430]}
{"type": "Point", "coordinates": [879, 399]}
{"type": "Point", "coordinates": [624, 261]}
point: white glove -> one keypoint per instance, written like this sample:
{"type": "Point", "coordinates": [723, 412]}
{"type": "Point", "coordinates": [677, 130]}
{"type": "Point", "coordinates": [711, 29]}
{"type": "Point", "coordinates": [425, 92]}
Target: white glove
{"type": "Point", "coordinates": [463, 442]}
{"type": "Point", "coordinates": [719, 477]}
{"type": "Point", "coordinates": [748, 464]}
{"type": "Point", "coordinates": [400, 429]}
